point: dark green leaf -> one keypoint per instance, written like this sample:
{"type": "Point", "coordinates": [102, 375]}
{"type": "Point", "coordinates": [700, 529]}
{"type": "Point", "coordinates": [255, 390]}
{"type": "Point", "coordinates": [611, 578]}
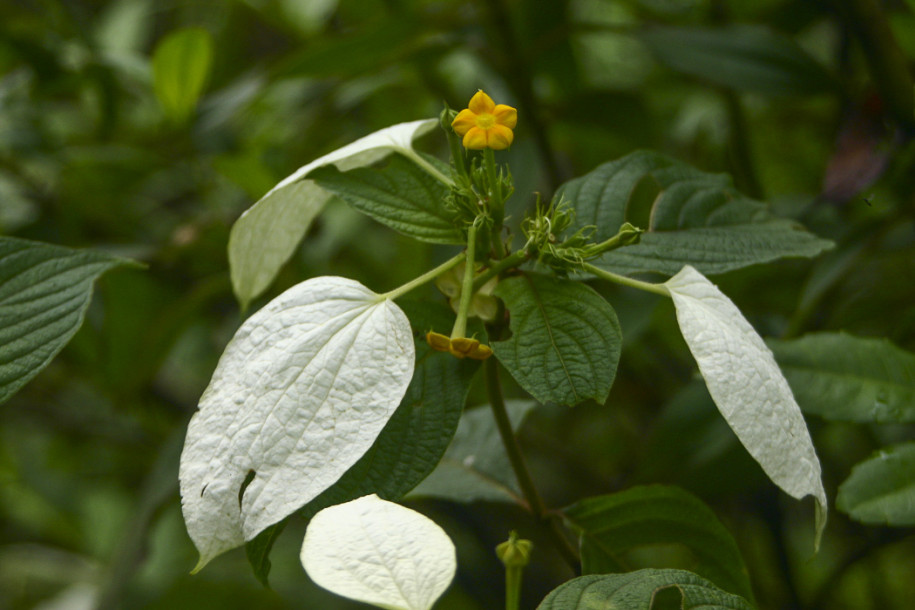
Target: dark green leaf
{"type": "Point", "coordinates": [697, 219]}
{"type": "Point", "coordinates": [44, 293]}
{"type": "Point", "coordinates": [640, 590]}
{"type": "Point", "coordinates": [846, 378]}
{"type": "Point", "coordinates": [475, 466]}
{"type": "Point", "coordinates": [565, 342]}
{"type": "Point", "coordinates": [181, 64]}
{"type": "Point", "coordinates": [399, 195]}
{"type": "Point", "coordinates": [881, 490]}
{"type": "Point", "coordinates": [746, 58]}
{"type": "Point", "coordinates": [258, 551]}
{"type": "Point", "coordinates": [613, 524]}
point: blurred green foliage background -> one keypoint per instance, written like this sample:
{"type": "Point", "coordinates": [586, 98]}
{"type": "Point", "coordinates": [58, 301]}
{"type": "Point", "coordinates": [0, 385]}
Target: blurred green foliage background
{"type": "Point", "coordinates": [804, 102]}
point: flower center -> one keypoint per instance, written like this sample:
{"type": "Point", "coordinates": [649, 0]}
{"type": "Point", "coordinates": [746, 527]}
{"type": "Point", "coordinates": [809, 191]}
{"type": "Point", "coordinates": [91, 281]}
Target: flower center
{"type": "Point", "coordinates": [485, 121]}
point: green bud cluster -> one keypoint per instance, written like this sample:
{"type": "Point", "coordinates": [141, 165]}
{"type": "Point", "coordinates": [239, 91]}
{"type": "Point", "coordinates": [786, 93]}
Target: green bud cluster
{"type": "Point", "coordinates": [545, 231]}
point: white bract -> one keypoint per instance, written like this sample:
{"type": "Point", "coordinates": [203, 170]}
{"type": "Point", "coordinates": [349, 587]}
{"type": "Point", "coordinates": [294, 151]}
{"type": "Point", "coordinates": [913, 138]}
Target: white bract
{"type": "Point", "coordinates": [266, 235]}
{"type": "Point", "coordinates": [380, 553]}
{"type": "Point", "coordinates": [748, 387]}
{"type": "Point", "coordinates": [300, 394]}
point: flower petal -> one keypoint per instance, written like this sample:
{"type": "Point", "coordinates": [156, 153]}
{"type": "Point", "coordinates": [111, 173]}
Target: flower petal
{"type": "Point", "coordinates": [481, 103]}
{"type": "Point", "coordinates": [482, 352]}
{"type": "Point", "coordinates": [464, 121]}
{"type": "Point", "coordinates": [506, 115]}
{"type": "Point", "coordinates": [438, 341]}
{"type": "Point", "coordinates": [499, 137]}
{"type": "Point", "coordinates": [475, 138]}
{"type": "Point", "coordinates": [461, 346]}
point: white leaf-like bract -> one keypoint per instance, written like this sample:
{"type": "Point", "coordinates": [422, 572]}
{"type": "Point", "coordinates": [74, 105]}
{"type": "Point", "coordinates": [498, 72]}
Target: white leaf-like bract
{"type": "Point", "coordinates": [267, 234]}
{"type": "Point", "coordinates": [748, 387]}
{"type": "Point", "coordinates": [380, 553]}
{"type": "Point", "coordinates": [299, 395]}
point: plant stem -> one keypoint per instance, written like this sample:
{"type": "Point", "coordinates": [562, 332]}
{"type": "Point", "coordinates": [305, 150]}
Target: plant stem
{"type": "Point", "coordinates": [428, 167]}
{"type": "Point", "coordinates": [627, 235]}
{"type": "Point", "coordinates": [519, 466]}
{"type": "Point", "coordinates": [425, 277]}
{"type": "Point", "coordinates": [460, 323]}
{"type": "Point", "coordinates": [509, 262]}
{"type": "Point", "coordinates": [496, 201]}
{"type": "Point", "coordinates": [660, 289]}
{"type": "Point", "coordinates": [513, 588]}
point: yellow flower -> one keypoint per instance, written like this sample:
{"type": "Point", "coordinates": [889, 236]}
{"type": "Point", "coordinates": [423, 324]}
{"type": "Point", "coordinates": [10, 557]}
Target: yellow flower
{"type": "Point", "coordinates": [460, 347]}
{"type": "Point", "coordinates": [483, 124]}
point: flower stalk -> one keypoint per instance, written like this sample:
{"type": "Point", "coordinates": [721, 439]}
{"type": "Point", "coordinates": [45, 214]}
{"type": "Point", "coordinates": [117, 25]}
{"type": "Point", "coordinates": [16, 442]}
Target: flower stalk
{"type": "Point", "coordinates": [514, 554]}
{"type": "Point", "coordinates": [428, 276]}
{"type": "Point", "coordinates": [660, 289]}
{"type": "Point", "coordinates": [460, 323]}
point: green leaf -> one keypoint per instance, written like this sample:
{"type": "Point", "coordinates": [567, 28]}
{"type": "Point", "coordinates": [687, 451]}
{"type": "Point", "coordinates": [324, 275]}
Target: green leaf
{"type": "Point", "coordinates": [565, 342]}
{"type": "Point", "coordinates": [181, 64]}
{"type": "Point", "coordinates": [697, 219]}
{"type": "Point", "coordinates": [613, 524]}
{"type": "Point", "coordinates": [845, 378]}
{"type": "Point", "coordinates": [475, 466]}
{"type": "Point", "coordinates": [742, 57]}
{"type": "Point", "coordinates": [881, 489]}
{"type": "Point", "coordinates": [638, 591]}
{"type": "Point", "coordinates": [258, 551]}
{"type": "Point", "coordinates": [44, 293]}
{"type": "Point", "coordinates": [399, 195]}
{"type": "Point", "coordinates": [266, 235]}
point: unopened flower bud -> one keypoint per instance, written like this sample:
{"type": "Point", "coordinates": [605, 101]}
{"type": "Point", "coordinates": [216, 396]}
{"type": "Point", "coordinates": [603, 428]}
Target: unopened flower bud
{"type": "Point", "coordinates": [515, 552]}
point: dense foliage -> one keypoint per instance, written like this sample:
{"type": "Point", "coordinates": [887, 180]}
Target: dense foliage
{"type": "Point", "coordinates": [142, 131]}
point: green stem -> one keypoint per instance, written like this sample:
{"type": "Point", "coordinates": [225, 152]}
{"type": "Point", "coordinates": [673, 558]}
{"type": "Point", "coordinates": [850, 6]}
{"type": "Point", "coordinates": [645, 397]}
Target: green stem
{"type": "Point", "coordinates": [513, 588]}
{"type": "Point", "coordinates": [519, 466]}
{"type": "Point", "coordinates": [496, 202]}
{"type": "Point", "coordinates": [509, 262]}
{"type": "Point", "coordinates": [660, 289]}
{"type": "Point", "coordinates": [495, 192]}
{"type": "Point", "coordinates": [425, 277]}
{"type": "Point", "coordinates": [626, 236]}
{"type": "Point", "coordinates": [428, 167]}
{"type": "Point", "coordinates": [460, 324]}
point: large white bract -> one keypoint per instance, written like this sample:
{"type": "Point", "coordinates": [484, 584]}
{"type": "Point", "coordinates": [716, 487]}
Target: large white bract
{"type": "Point", "coordinates": [300, 394]}
{"type": "Point", "coordinates": [748, 387]}
{"type": "Point", "coordinates": [267, 234]}
{"type": "Point", "coordinates": [380, 553]}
